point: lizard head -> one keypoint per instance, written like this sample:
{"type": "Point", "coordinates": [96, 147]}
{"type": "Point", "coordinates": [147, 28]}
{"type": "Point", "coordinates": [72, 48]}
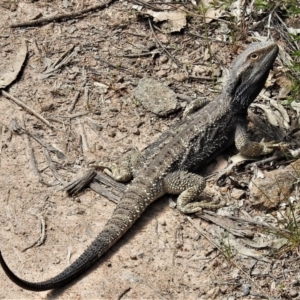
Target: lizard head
{"type": "Point", "coordinates": [249, 73]}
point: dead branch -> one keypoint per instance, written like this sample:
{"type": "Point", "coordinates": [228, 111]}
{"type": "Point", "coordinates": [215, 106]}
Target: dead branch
{"type": "Point", "coordinates": [62, 17]}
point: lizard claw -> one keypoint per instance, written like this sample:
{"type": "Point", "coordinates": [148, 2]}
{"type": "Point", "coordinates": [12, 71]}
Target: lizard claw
{"type": "Point", "coordinates": [113, 170]}
{"type": "Point", "coordinates": [275, 145]}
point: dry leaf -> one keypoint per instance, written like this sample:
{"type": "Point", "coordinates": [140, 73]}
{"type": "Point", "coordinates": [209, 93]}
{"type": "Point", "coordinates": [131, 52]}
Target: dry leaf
{"type": "Point", "coordinates": [285, 86]}
{"type": "Point", "coordinates": [269, 114]}
{"type": "Point", "coordinates": [8, 75]}
{"type": "Point", "coordinates": [281, 109]}
{"type": "Point", "coordinates": [175, 19]}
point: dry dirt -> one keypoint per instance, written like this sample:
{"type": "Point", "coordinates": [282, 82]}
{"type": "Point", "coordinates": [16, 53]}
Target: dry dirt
{"type": "Point", "coordinates": [163, 256]}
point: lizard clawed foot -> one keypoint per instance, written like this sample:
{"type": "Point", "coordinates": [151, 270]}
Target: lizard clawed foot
{"type": "Point", "coordinates": [197, 207]}
{"type": "Point", "coordinates": [274, 145]}
{"type": "Point", "coordinates": [115, 171]}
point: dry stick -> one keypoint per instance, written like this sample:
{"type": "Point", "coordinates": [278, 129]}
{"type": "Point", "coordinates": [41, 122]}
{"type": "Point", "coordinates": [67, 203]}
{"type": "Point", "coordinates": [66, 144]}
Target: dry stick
{"type": "Point", "coordinates": [27, 108]}
{"type": "Point", "coordinates": [295, 45]}
{"type": "Point", "coordinates": [161, 45]}
{"type": "Point", "coordinates": [249, 221]}
{"type": "Point", "coordinates": [145, 4]}
{"type": "Point", "coordinates": [42, 237]}
{"type": "Point", "coordinates": [59, 61]}
{"type": "Point", "coordinates": [76, 96]}
{"type": "Point", "coordinates": [62, 60]}
{"type": "Point", "coordinates": [86, 97]}
{"type": "Point", "coordinates": [49, 147]}
{"type": "Point", "coordinates": [62, 16]}
{"type": "Point", "coordinates": [69, 255]}
{"type": "Point", "coordinates": [117, 67]}
{"type": "Point", "coordinates": [31, 155]}
{"type": "Point", "coordinates": [74, 101]}
{"type": "Point", "coordinates": [52, 167]}
{"type": "Point", "coordinates": [84, 141]}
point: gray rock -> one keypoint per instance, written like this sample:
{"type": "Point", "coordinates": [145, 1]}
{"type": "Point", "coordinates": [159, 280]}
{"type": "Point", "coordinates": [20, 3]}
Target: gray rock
{"type": "Point", "coordinates": [156, 97]}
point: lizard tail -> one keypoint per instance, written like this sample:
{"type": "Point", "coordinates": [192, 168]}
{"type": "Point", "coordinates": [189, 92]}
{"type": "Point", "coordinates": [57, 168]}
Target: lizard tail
{"type": "Point", "coordinates": [125, 214]}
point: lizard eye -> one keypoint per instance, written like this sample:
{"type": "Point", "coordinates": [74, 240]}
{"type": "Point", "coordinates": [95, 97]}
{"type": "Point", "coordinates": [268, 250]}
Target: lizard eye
{"type": "Point", "coordinates": [254, 56]}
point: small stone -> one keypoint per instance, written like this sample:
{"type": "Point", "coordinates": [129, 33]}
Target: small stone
{"type": "Point", "coordinates": [140, 124]}
{"type": "Point", "coordinates": [294, 293]}
{"type": "Point", "coordinates": [97, 112]}
{"type": "Point", "coordinates": [237, 194]}
{"type": "Point", "coordinates": [213, 293]}
{"type": "Point", "coordinates": [165, 67]}
{"type": "Point", "coordinates": [224, 189]}
{"type": "Point", "coordinates": [113, 124]}
{"type": "Point", "coordinates": [99, 147]}
{"type": "Point", "coordinates": [162, 73]}
{"type": "Point", "coordinates": [111, 133]}
{"type": "Point", "coordinates": [179, 77]}
{"type": "Point", "coordinates": [163, 59]}
{"type": "Point", "coordinates": [223, 289]}
{"type": "Point", "coordinates": [246, 289]}
{"type": "Point", "coordinates": [163, 223]}
{"type": "Point", "coordinates": [136, 131]}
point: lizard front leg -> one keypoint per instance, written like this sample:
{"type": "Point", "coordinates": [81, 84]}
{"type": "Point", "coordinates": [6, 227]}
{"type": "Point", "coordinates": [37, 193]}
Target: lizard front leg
{"type": "Point", "coordinates": [194, 106]}
{"type": "Point", "coordinates": [189, 186]}
{"type": "Point", "coordinates": [125, 168]}
{"type": "Point", "coordinates": [249, 148]}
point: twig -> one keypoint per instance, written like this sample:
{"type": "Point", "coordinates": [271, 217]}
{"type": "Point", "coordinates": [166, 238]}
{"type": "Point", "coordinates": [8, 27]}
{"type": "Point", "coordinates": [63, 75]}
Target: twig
{"type": "Point", "coordinates": [76, 96]}
{"type": "Point", "coordinates": [57, 64]}
{"type": "Point", "coordinates": [86, 97]}
{"type": "Point", "coordinates": [265, 160]}
{"type": "Point", "coordinates": [52, 167]}
{"type": "Point", "coordinates": [31, 155]}
{"type": "Point", "coordinates": [27, 108]}
{"type": "Point", "coordinates": [138, 54]}
{"type": "Point", "coordinates": [117, 67]}
{"type": "Point", "coordinates": [74, 101]}
{"type": "Point", "coordinates": [270, 227]}
{"type": "Point", "coordinates": [42, 236]}
{"type": "Point", "coordinates": [49, 147]}
{"type": "Point", "coordinates": [62, 60]}
{"type": "Point", "coordinates": [227, 224]}
{"type": "Point", "coordinates": [145, 4]}
{"type": "Point", "coordinates": [62, 16]}
{"type": "Point", "coordinates": [83, 138]}
{"type": "Point", "coordinates": [161, 45]}
{"type": "Point", "coordinates": [69, 255]}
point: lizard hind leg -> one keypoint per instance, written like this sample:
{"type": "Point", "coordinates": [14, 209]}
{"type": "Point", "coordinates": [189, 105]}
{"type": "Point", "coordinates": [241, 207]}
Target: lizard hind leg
{"type": "Point", "coordinates": [125, 168]}
{"type": "Point", "coordinates": [189, 186]}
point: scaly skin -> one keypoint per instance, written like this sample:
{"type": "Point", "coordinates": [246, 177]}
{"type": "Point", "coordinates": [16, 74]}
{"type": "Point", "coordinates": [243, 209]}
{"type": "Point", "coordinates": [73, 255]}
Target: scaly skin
{"type": "Point", "coordinates": [198, 139]}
